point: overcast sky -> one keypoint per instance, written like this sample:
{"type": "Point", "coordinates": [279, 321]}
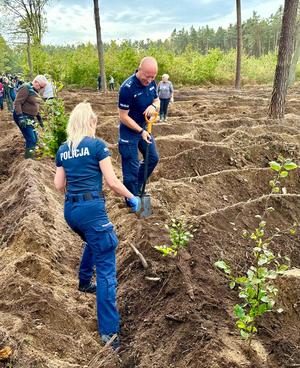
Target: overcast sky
{"type": "Point", "coordinates": [72, 22]}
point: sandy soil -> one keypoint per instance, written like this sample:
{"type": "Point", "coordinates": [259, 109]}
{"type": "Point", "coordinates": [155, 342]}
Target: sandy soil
{"type": "Point", "coordinates": [214, 149]}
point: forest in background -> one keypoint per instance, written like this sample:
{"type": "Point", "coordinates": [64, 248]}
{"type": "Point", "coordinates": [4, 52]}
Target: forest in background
{"type": "Point", "coordinates": [191, 57]}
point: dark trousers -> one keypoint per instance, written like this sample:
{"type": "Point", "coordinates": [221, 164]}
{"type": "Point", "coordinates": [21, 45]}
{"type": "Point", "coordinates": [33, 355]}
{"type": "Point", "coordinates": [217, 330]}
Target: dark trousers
{"type": "Point", "coordinates": [164, 103]}
{"type": "Point", "coordinates": [1, 102]}
{"type": "Point", "coordinates": [133, 170]}
{"type": "Point", "coordinates": [89, 220]}
{"type": "Point", "coordinates": [28, 131]}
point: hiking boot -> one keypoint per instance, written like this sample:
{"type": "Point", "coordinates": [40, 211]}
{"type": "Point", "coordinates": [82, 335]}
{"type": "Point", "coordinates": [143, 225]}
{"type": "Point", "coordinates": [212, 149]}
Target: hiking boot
{"type": "Point", "coordinates": [115, 344]}
{"type": "Point", "coordinates": [29, 153]}
{"type": "Point", "coordinates": [87, 287]}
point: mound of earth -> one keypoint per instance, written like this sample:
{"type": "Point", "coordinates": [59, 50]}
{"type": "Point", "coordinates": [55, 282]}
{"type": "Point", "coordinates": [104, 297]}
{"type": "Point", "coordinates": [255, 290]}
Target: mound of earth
{"type": "Point", "coordinates": [213, 172]}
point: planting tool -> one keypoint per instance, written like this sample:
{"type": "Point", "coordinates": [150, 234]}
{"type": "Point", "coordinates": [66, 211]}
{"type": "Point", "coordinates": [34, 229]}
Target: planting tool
{"type": "Point", "coordinates": [145, 198]}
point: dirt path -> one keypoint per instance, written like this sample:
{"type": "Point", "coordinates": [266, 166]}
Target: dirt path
{"type": "Point", "coordinates": [214, 149]}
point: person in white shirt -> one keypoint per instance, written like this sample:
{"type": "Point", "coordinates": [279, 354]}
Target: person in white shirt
{"type": "Point", "coordinates": [48, 92]}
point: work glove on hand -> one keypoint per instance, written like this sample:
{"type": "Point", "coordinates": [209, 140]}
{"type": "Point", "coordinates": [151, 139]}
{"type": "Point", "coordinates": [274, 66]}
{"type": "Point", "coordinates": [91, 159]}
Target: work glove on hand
{"type": "Point", "coordinates": [40, 120]}
{"type": "Point", "coordinates": [22, 121]}
{"type": "Point", "coordinates": [134, 203]}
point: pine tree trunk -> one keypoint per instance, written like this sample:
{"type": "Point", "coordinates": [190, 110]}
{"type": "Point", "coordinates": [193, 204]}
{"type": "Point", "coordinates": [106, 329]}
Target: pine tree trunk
{"type": "Point", "coordinates": [277, 104]}
{"type": "Point", "coordinates": [238, 46]}
{"type": "Point", "coordinates": [100, 46]}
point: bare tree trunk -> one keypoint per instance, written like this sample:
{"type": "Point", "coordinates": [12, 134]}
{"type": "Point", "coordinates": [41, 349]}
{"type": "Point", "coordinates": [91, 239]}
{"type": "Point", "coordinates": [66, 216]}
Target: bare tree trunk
{"type": "Point", "coordinates": [277, 104]}
{"type": "Point", "coordinates": [29, 56]}
{"type": "Point", "coordinates": [238, 46]}
{"type": "Point", "coordinates": [100, 46]}
{"type": "Point", "coordinates": [295, 58]}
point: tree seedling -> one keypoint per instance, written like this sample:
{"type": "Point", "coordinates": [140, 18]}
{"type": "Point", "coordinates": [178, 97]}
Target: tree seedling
{"type": "Point", "coordinates": [257, 288]}
{"type": "Point", "coordinates": [55, 121]}
{"type": "Point", "coordinates": [179, 234]}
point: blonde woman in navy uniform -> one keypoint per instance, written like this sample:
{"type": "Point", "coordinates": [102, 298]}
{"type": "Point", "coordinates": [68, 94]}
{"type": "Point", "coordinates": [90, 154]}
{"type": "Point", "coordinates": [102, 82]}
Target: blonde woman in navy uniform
{"type": "Point", "coordinates": [82, 162]}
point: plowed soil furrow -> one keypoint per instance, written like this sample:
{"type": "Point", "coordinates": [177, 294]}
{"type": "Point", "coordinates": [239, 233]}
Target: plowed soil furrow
{"type": "Point", "coordinates": [214, 150]}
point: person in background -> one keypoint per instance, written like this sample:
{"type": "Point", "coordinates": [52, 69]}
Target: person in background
{"type": "Point", "coordinates": [165, 94]}
{"type": "Point", "coordinates": [26, 109]}
{"type": "Point", "coordinates": [18, 83]}
{"type": "Point", "coordinates": [99, 82]}
{"type": "Point", "coordinates": [111, 83]}
{"type": "Point", "coordinates": [82, 162]}
{"type": "Point", "coordinates": [8, 94]}
{"type": "Point", "coordinates": [1, 94]}
{"type": "Point", "coordinates": [48, 93]}
{"type": "Point", "coordinates": [137, 99]}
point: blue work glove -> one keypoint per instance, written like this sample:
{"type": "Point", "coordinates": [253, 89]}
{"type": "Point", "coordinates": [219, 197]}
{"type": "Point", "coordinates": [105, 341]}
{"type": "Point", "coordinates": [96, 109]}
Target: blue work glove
{"type": "Point", "coordinates": [134, 203]}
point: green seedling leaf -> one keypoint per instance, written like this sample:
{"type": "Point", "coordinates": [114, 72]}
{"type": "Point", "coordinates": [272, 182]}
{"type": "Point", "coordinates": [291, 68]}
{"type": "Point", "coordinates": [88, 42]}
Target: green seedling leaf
{"type": "Point", "coordinates": [282, 268]}
{"type": "Point", "coordinates": [283, 174]}
{"type": "Point", "coordinates": [275, 166]}
{"type": "Point", "coordinates": [241, 325]}
{"type": "Point", "coordinates": [262, 308]}
{"type": "Point", "coordinates": [245, 335]}
{"type": "Point", "coordinates": [292, 231]}
{"type": "Point", "coordinates": [276, 190]}
{"type": "Point", "coordinates": [245, 234]}
{"type": "Point", "coordinates": [272, 183]}
{"type": "Point", "coordinates": [262, 260]}
{"type": "Point", "coordinates": [241, 280]}
{"type": "Point", "coordinates": [239, 311]}
{"type": "Point", "coordinates": [223, 266]}
{"type": "Point", "coordinates": [270, 209]}
{"type": "Point", "coordinates": [290, 166]}
{"type": "Point", "coordinates": [232, 284]}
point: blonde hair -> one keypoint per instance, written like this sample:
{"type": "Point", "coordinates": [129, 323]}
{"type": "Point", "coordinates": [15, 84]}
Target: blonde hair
{"type": "Point", "coordinates": [82, 123]}
{"type": "Point", "coordinates": [165, 76]}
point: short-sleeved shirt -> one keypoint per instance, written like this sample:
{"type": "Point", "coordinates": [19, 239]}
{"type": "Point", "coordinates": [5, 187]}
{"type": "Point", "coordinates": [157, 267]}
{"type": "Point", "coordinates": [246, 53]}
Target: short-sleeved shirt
{"type": "Point", "coordinates": [81, 166]}
{"type": "Point", "coordinates": [135, 97]}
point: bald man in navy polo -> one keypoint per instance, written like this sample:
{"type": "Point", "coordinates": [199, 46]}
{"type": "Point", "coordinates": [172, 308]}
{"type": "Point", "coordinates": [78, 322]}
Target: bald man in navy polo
{"type": "Point", "coordinates": [137, 98]}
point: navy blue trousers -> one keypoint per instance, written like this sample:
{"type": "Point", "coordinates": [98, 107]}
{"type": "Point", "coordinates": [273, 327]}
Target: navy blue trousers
{"type": "Point", "coordinates": [132, 168]}
{"type": "Point", "coordinates": [89, 220]}
{"type": "Point", "coordinates": [163, 111]}
{"type": "Point", "coordinates": [28, 131]}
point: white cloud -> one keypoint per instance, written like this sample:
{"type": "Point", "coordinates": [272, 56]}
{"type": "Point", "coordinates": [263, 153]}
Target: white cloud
{"type": "Point", "coordinates": [264, 9]}
{"type": "Point", "coordinates": [74, 24]}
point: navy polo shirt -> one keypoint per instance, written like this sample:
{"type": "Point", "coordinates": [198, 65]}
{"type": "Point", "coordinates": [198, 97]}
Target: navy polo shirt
{"type": "Point", "coordinates": [135, 97]}
{"type": "Point", "coordinates": [82, 165]}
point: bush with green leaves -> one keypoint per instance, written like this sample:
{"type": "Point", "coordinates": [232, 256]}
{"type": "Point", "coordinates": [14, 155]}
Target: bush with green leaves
{"type": "Point", "coordinates": [179, 234]}
{"type": "Point", "coordinates": [55, 123]}
{"type": "Point", "coordinates": [257, 288]}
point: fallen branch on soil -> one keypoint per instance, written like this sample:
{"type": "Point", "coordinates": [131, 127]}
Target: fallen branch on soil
{"type": "Point", "coordinates": [106, 357]}
{"type": "Point", "coordinates": [157, 295]}
{"type": "Point", "coordinates": [186, 276]}
{"type": "Point", "coordinates": [141, 257]}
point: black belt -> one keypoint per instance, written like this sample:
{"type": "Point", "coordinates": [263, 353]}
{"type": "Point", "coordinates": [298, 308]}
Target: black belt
{"type": "Point", "coordinates": [84, 197]}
